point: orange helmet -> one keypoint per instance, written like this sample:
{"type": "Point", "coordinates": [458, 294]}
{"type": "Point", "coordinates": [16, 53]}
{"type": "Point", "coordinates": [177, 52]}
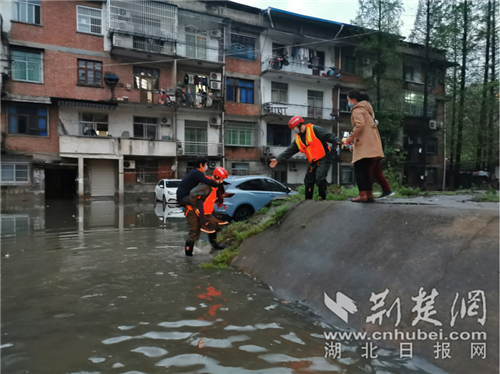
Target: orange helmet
{"type": "Point", "coordinates": [220, 172]}
{"type": "Point", "coordinates": [295, 121]}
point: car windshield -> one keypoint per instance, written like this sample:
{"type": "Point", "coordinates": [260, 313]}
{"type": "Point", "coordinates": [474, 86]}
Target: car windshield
{"type": "Point", "coordinates": [172, 184]}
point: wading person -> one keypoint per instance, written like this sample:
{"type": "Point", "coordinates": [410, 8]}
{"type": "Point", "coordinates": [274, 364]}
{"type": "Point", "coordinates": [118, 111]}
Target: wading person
{"type": "Point", "coordinates": [208, 196]}
{"type": "Point", "coordinates": [190, 181]}
{"type": "Point", "coordinates": [311, 140]}
{"type": "Point", "coordinates": [367, 143]}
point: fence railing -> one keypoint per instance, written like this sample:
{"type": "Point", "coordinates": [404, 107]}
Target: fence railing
{"type": "Point", "coordinates": [299, 67]}
{"type": "Point", "coordinates": [287, 109]}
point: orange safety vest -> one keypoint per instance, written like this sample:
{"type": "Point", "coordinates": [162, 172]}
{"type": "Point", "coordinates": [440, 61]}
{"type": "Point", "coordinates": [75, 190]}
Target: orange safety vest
{"type": "Point", "coordinates": [208, 205]}
{"type": "Point", "coordinates": [313, 148]}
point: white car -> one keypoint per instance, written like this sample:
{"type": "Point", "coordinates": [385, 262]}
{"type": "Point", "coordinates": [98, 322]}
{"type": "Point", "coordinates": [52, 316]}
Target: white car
{"type": "Point", "coordinates": [166, 191]}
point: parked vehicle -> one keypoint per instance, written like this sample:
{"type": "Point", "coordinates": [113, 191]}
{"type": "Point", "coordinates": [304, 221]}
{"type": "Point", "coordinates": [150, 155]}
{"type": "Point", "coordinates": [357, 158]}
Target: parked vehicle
{"type": "Point", "coordinates": [166, 191]}
{"type": "Point", "coordinates": [247, 194]}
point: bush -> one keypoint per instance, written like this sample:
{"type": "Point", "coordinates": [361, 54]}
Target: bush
{"type": "Point", "coordinates": [490, 196]}
{"type": "Point", "coordinates": [408, 191]}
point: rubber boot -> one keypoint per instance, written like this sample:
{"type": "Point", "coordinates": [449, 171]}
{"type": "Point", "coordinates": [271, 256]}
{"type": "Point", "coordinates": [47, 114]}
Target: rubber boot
{"type": "Point", "coordinates": [369, 196]}
{"type": "Point", "coordinates": [362, 198]}
{"type": "Point", "coordinates": [322, 191]}
{"type": "Point", "coordinates": [309, 191]}
{"type": "Point", "coordinates": [212, 238]}
{"type": "Point", "coordinates": [189, 248]}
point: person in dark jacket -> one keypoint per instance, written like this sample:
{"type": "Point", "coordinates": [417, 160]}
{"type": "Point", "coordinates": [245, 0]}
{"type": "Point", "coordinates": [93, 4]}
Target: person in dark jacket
{"type": "Point", "coordinates": [190, 181]}
{"type": "Point", "coordinates": [312, 141]}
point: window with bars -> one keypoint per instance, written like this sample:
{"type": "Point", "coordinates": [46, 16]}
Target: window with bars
{"type": "Point", "coordinates": [89, 72]}
{"type": "Point", "coordinates": [315, 104]}
{"type": "Point", "coordinates": [94, 122]}
{"type": "Point", "coordinates": [195, 133]}
{"type": "Point", "coordinates": [239, 90]}
{"type": "Point", "coordinates": [15, 173]}
{"type": "Point", "coordinates": [196, 46]}
{"type": "Point", "coordinates": [349, 64]}
{"type": "Point", "coordinates": [239, 134]}
{"type": "Point", "coordinates": [146, 171]}
{"type": "Point", "coordinates": [279, 92]}
{"type": "Point", "coordinates": [146, 127]}
{"type": "Point", "coordinates": [27, 66]}
{"type": "Point", "coordinates": [146, 78]}
{"type": "Point", "coordinates": [242, 47]}
{"type": "Point", "coordinates": [279, 135]}
{"type": "Point", "coordinates": [239, 168]}
{"type": "Point", "coordinates": [28, 120]}
{"type": "Point", "coordinates": [28, 11]}
{"type": "Point", "coordinates": [431, 146]}
{"type": "Point", "coordinates": [89, 20]}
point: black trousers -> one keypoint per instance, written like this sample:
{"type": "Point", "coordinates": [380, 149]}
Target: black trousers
{"type": "Point", "coordinates": [362, 172]}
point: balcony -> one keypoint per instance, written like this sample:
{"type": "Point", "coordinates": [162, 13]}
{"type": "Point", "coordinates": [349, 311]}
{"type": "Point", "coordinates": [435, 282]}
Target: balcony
{"type": "Point", "coordinates": [143, 147]}
{"type": "Point", "coordinates": [88, 145]}
{"type": "Point", "coordinates": [273, 151]}
{"type": "Point", "coordinates": [143, 44]}
{"type": "Point", "coordinates": [199, 149]}
{"type": "Point", "coordinates": [305, 111]}
{"type": "Point", "coordinates": [300, 69]}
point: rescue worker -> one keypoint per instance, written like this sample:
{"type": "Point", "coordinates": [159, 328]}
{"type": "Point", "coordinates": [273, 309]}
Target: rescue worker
{"type": "Point", "coordinates": [208, 196]}
{"type": "Point", "coordinates": [311, 140]}
{"type": "Point", "coordinates": [190, 181]}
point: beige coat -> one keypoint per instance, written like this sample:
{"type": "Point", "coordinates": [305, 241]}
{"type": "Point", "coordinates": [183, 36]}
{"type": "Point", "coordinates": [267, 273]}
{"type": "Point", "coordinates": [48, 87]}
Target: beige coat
{"type": "Point", "coordinates": [365, 135]}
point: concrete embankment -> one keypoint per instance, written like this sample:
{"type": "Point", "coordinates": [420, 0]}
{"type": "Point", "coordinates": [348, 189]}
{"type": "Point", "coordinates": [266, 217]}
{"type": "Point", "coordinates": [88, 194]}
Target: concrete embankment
{"type": "Point", "coordinates": [360, 249]}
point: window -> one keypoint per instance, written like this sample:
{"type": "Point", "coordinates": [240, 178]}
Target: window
{"type": "Point", "coordinates": [252, 185]}
{"type": "Point", "coordinates": [279, 92]}
{"type": "Point", "coordinates": [239, 169]}
{"type": "Point", "coordinates": [89, 72]}
{"type": "Point", "coordinates": [414, 105]}
{"type": "Point", "coordinates": [432, 146]}
{"type": "Point", "coordinates": [89, 20]}
{"type": "Point", "coordinates": [347, 174]}
{"type": "Point", "coordinates": [147, 44]}
{"type": "Point", "coordinates": [27, 66]}
{"type": "Point", "coordinates": [161, 183]}
{"type": "Point", "coordinates": [239, 134]}
{"type": "Point", "coordinates": [431, 174]}
{"type": "Point", "coordinates": [28, 120]}
{"type": "Point", "coordinates": [196, 137]}
{"type": "Point", "coordinates": [15, 173]}
{"type": "Point", "coordinates": [349, 65]}
{"type": "Point", "coordinates": [242, 47]}
{"type": "Point", "coordinates": [13, 223]}
{"type": "Point", "coordinates": [343, 103]}
{"type": "Point", "coordinates": [95, 122]}
{"type": "Point", "coordinates": [146, 78]}
{"type": "Point", "coordinates": [279, 50]}
{"type": "Point", "coordinates": [273, 186]}
{"type": "Point", "coordinates": [146, 171]}
{"type": "Point", "coordinates": [239, 91]}
{"type": "Point", "coordinates": [408, 73]}
{"type": "Point", "coordinates": [315, 104]}
{"type": "Point", "coordinates": [27, 11]}
{"type": "Point", "coordinates": [196, 45]}
{"type": "Point", "coordinates": [145, 127]}
{"type": "Point", "coordinates": [278, 135]}
{"type": "Point", "coordinates": [172, 184]}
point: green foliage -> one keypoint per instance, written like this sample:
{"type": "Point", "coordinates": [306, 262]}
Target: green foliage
{"type": "Point", "coordinates": [490, 196]}
{"type": "Point", "coordinates": [408, 191]}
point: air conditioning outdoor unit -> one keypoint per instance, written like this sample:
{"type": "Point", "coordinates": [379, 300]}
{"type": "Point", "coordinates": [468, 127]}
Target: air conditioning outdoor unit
{"type": "Point", "coordinates": [215, 85]}
{"type": "Point", "coordinates": [128, 164]}
{"type": "Point", "coordinates": [215, 77]}
{"type": "Point", "coordinates": [213, 164]}
{"type": "Point", "coordinates": [366, 60]}
{"type": "Point", "coordinates": [293, 166]}
{"type": "Point", "coordinates": [213, 121]}
{"type": "Point", "coordinates": [164, 121]}
{"type": "Point", "coordinates": [433, 125]}
{"type": "Point", "coordinates": [216, 34]}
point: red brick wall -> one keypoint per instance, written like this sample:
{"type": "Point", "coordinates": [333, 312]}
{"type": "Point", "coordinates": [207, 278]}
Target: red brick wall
{"type": "Point", "coordinates": [243, 109]}
{"type": "Point", "coordinates": [349, 78]}
{"type": "Point", "coordinates": [165, 169]}
{"type": "Point", "coordinates": [242, 153]}
{"type": "Point", "coordinates": [35, 144]}
{"type": "Point", "coordinates": [243, 66]}
{"type": "Point", "coordinates": [129, 176]}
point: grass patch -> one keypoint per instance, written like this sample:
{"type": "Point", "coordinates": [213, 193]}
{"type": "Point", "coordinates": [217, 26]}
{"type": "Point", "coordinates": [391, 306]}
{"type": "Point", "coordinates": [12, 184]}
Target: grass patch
{"type": "Point", "coordinates": [490, 196]}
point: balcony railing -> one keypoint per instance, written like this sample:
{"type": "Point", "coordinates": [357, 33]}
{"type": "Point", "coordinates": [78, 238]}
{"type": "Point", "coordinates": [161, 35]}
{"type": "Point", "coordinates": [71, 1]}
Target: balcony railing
{"type": "Point", "coordinates": [286, 109]}
{"type": "Point", "coordinates": [199, 149]}
{"type": "Point", "coordinates": [273, 151]}
{"type": "Point", "coordinates": [143, 44]}
{"type": "Point", "coordinates": [299, 67]}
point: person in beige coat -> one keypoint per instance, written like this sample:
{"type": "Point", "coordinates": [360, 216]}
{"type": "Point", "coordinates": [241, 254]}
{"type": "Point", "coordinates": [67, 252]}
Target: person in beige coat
{"type": "Point", "coordinates": [366, 141]}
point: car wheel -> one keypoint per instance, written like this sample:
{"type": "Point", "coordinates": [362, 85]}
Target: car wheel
{"type": "Point", "coordinates": [243, 213]}
{"type": "Point", "coordinates": [164, 202]}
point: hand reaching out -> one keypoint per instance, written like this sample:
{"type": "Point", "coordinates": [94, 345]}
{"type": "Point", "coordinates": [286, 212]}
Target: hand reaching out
{"type": "Point", "coordinates": [274, 162]}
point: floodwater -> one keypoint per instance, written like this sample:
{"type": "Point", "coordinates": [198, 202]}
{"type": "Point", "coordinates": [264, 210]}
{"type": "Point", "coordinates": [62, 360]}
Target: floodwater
{"type": "Point", "coordinates": [106, 288]}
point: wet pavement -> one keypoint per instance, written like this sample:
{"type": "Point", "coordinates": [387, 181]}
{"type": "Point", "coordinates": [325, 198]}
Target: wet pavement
{"type": "Point", "coordinates": [103, 288]}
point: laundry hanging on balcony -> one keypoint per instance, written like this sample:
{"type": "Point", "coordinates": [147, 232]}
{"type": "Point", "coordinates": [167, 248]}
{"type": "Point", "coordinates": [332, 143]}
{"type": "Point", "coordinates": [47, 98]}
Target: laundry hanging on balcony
{"type": "Point", "coordinates": [196, 80]}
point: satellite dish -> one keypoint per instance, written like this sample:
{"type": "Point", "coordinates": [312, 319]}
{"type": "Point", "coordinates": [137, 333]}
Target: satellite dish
{"type": "Point", "coordinates": [174, 168]}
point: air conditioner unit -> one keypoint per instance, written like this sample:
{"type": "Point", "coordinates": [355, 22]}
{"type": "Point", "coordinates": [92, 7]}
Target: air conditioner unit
{"type": "Point", "coordinates": [215, 85]}
{"type": "Point", "coordinates": [293, 166]}
{"type": "Point", "coordinates": [433, 125]}
{"type": "Point", "coordinates": [366, 60]}
{"type": "Point", "coordinates": [213, 164]}
{"type": "Point", "coordinates": [216, 34]}
{"type": "Point", "coordinates": [215, 77]}
{"type": "Point", "coordinates": [213, 121]}
{"type": "Point", "coordinates": [128, 164]}
{"type": "Point", "coordinates": [164, 121]}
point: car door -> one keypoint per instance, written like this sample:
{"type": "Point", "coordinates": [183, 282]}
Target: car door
{"type": "Point", "coordinates": [254, 193]}
{"type": "Point", "coordinates": [276, 190]}
{"type": "Point", "coordinates": [159, 190]}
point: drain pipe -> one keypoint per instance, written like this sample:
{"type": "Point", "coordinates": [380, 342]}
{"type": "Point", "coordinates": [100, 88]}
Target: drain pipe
{"type": "Point", "coordinates": [269, 15]}
{"type": "Point", "coordinates": [444, 147]}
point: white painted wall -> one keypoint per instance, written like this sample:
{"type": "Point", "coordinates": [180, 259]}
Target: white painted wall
{"type": "Point", "coordinates": [7, 11]}
{"type": "Point", "coordinates": [212, 45]}
{"type": "Point", "coordinates": [212, 132]}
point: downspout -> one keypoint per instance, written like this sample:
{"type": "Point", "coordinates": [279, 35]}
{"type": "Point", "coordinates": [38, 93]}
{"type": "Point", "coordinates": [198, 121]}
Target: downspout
{"type": "Point", "coordinates": [269, 15]}
{"type": "Point", "coordinates": [444, 146]}
{"type": "Point", "coordinates": [338, 134]}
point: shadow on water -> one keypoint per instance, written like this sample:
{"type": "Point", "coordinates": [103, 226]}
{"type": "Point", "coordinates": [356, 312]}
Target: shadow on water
{"type": "Point", "coordinates": [102, 287]}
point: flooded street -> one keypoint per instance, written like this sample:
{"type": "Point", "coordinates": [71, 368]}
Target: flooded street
{"type": "Point", "coordinates": [102, 288]}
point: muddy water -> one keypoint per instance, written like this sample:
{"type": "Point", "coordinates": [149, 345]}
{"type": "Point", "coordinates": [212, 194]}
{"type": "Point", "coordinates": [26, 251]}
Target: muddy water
{"type": "Point", "coordinates": [103, 288]}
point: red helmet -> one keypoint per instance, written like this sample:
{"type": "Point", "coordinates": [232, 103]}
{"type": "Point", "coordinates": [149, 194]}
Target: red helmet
{"type": "Point", "coordinates": [220, 172]}
{"type": "Point", "coordinates": [295, 121]}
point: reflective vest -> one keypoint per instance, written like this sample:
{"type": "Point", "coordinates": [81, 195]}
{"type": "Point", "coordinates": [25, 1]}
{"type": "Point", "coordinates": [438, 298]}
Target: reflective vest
{"type": "Point", "coordinates": [208, 205]}
{"type": "Point", "coordinates": [313, 148]}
